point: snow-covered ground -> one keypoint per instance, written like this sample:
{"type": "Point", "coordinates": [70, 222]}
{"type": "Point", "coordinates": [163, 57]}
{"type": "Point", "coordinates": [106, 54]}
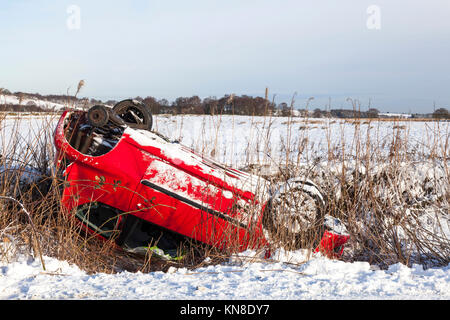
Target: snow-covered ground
{"type": "Point", "coordinates": [395, 115]}
{"type": "Point", "coordinates": [44, 104]}
{"type": "Point", "coordinates": [318, 278]}
{"type": "Point", "coordinates": [240, 141]}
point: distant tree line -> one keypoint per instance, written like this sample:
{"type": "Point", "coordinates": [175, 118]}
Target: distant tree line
{"type": "Point", "coordinates": [345, 113]}
{"type": "Point", "coordinates": [441, 113]}
{"type": "Point", "coordinates": [228, 104]}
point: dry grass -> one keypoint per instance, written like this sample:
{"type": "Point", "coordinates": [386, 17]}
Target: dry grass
{"type": "Point", "coordinates": [395, 206]}
{"type": "Point", "coordinates": [392, 216]}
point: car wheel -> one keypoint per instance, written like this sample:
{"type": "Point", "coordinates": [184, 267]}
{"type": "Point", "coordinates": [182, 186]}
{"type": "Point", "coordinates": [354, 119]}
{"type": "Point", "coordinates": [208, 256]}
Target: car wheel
{"type": "Point", "coordinates": [134, 113]}
{"type": "Point", "coordinates": [98, 116]}
{"type": "Point", "coordinates": [293, 217]}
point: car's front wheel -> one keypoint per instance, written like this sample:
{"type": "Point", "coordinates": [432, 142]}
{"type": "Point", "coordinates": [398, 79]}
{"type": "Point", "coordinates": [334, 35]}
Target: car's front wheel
{"type": "Point", "coordinates": [134, 113]}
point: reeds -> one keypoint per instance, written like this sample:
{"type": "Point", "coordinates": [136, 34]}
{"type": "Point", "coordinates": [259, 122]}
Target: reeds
{"type": "Point", "coordinates": [390, 190]}
{"type": "Point", "coordinates": [386, 182]}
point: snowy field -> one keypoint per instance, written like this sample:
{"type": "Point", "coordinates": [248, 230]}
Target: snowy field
{"type": "Point", "coordinates": [241, 141]}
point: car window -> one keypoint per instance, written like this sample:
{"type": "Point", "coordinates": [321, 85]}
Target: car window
{"type": "Point", "coordinates": [101, 218]}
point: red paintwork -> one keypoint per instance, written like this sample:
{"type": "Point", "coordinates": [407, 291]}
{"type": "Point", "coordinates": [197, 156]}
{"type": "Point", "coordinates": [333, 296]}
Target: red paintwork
{"type": "Point", "coordinates": [332, 244]}
{"type": "Point", "coordinates": [131, 162]}
{"type": "Point", "coordinates": [115, 179]}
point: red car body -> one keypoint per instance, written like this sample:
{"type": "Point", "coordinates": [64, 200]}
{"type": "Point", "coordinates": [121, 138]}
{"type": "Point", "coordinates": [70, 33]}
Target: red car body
{"type": "Point", "coordinates": [165, 183]}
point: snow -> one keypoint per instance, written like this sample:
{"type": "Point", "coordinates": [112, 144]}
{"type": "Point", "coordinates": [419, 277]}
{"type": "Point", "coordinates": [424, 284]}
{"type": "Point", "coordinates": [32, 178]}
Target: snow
{"type": "Point", "coordinates": [178, 155]}
{"type": "Point", "coordinates": [179, 182]}
{"type": "Point", "coordinates": [239, 140]}
{"type": "Point", "coordinates": [239, 278]}
{"type": "Point", "coordinates": [396, 115]}
{"type": "Point", "coordinates": [15, 100]}
{"type": "Point", "coordinates": [288, 275]}
{"type": "Point", "coordinates": [335, 225]}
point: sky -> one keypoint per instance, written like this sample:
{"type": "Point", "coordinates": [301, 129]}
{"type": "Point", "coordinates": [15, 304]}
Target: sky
{"type": "Point", "coordinates": [391, 55]}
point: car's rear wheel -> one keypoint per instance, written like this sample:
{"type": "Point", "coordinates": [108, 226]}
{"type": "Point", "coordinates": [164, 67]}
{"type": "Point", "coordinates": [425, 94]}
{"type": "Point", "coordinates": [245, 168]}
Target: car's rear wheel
{"type": "Point", "coordinates": [293, 218]}
{"type": "Point", "coordinates": [134, 113]}
{"type": "Point", "coordinates": [98, 116]}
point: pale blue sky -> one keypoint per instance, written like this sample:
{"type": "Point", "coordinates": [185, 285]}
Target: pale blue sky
{"type": "Point", "coordinates": [177, 48]}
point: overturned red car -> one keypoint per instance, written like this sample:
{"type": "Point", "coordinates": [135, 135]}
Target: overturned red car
{"type": "Point", "coordinates": [132, 185]}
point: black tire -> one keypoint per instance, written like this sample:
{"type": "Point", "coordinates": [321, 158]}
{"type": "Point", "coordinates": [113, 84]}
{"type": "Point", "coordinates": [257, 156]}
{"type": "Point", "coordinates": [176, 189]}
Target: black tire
{"type": "Point", "coordinates": [293, 218]}
{"type": "Point", "coordinates": [135, 114]}
{"type": "Point", "coordinates": [98, 116]}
